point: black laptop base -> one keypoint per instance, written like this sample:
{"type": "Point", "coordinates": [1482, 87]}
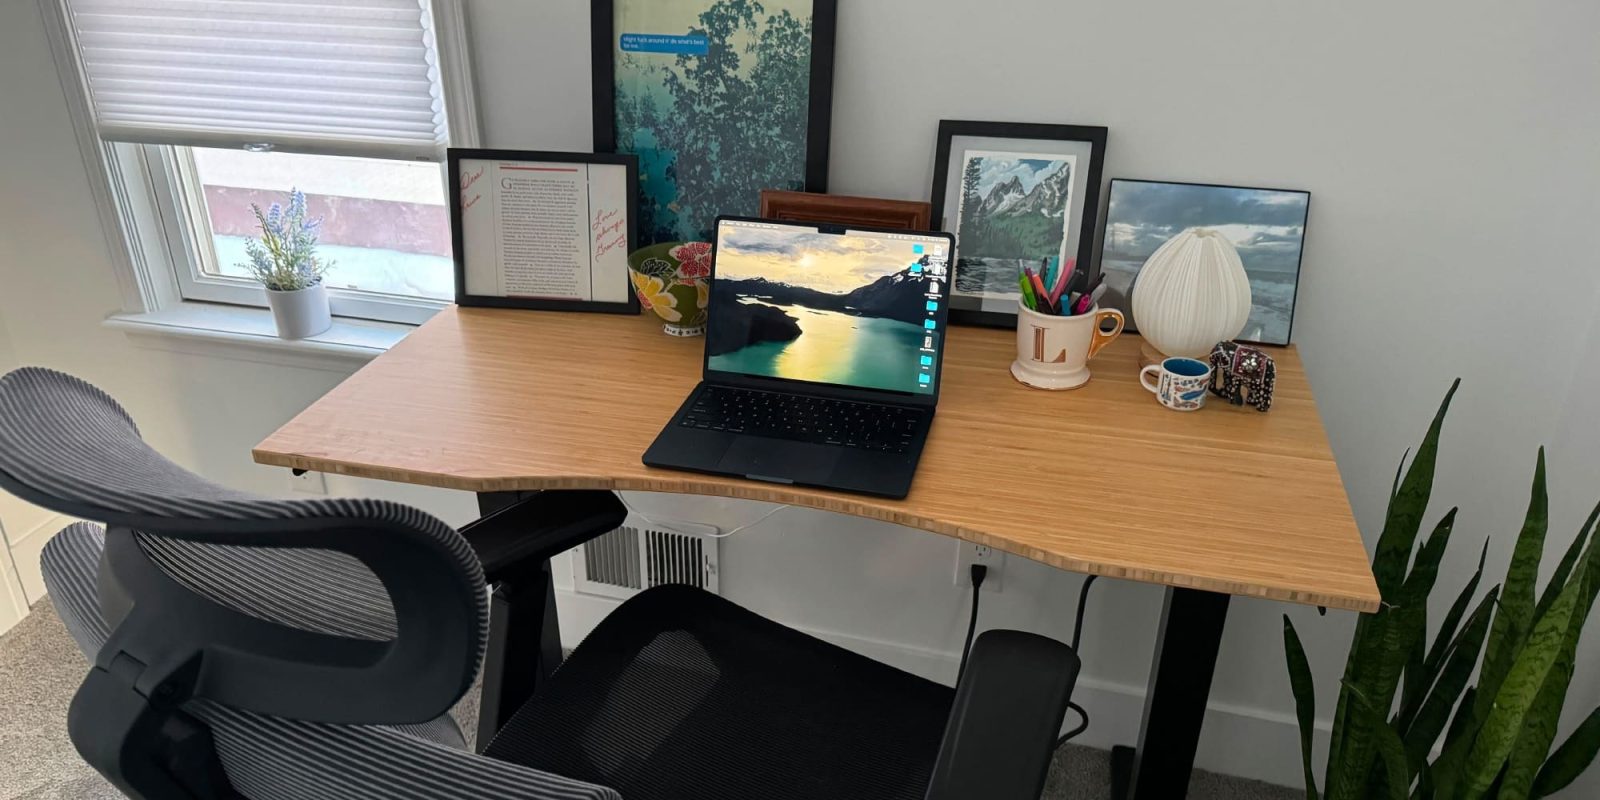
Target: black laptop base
{"type": "Point", "coordinates": [835, 455]}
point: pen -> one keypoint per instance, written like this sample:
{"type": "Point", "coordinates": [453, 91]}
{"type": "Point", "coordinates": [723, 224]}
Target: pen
{"type": "Point", "coordinates": [1094, 296]}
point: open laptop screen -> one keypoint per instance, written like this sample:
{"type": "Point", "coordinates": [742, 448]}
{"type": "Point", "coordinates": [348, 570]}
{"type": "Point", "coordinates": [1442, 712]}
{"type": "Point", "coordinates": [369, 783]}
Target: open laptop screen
{"type": "Point", "coordinates": [852, 308]}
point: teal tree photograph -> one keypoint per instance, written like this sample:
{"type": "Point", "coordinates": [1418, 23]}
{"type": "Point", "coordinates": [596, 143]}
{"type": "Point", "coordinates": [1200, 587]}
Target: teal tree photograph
{"type": "Point", "coordinates": [715, 97]}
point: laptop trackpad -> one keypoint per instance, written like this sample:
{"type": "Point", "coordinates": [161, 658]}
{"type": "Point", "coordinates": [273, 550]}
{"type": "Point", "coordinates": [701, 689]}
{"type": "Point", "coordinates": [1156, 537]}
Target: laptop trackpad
{"type": "Point", "coordinates": [779, 460]}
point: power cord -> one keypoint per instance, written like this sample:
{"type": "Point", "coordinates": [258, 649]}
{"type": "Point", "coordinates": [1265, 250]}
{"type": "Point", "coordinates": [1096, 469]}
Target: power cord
{"type": "Point", "coordinates": [978, 573]}
{"type": "Point", "coordinates": [1077, 637]}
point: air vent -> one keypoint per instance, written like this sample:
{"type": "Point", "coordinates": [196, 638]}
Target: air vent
{"type": "Point", "coordinates": [639, 555]}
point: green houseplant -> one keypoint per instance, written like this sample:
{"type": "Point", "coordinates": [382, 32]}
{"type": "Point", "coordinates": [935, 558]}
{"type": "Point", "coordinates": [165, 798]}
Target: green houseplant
{"type": "Point", "coordinates": [284, 260]}
{"type": "Point", "coordinates": [1399, 690]}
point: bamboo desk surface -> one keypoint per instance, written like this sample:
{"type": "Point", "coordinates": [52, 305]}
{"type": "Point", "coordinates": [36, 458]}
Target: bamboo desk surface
{"type": "Point", "coordinates": [1225, 499]}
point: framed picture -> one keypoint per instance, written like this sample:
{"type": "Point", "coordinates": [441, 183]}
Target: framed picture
{"type": "Point", "coordinates": [1014, 194]}
{"type": "Point", "coordinates": [867, 212]}
{"type": "Point", "coordinates": [1266, 226]}
{"type": "Point", "coordinates": [545, 231]}
{"type": "Point", "coordinates": [764, 66]}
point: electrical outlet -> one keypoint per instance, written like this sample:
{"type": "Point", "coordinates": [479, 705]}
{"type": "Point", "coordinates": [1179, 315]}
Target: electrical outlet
{"type": "Point", "coordinates": [968, 554]}
{"type": "Point", "coordinates": [308, 482]}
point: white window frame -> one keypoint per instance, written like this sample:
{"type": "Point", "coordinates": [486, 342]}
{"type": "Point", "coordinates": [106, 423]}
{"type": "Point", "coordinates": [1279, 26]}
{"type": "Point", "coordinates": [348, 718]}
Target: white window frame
{"type": "Point", "coordinates": [159, 236]}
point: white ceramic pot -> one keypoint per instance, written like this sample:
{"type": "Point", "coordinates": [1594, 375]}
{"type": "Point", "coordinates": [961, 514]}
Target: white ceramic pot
{"type": "Point", "coordinates": [300, 313]}
{"type": "Point", "coordinates": [1192, 293]}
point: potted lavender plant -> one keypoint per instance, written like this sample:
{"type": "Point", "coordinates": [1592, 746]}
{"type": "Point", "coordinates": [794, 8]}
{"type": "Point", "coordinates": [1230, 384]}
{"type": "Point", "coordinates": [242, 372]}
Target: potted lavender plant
{"type": "Point", "coordinates": [285, 261]}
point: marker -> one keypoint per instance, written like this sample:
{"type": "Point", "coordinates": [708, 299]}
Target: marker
{"type": "Point", "coordinates": [1038, 289]}
{"type": "Point", "coordinates": [1027, 292]}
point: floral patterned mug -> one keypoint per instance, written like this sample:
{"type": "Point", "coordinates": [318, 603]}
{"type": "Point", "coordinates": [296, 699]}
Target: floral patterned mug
{"type": "Point", "coordinates": [673, 279]}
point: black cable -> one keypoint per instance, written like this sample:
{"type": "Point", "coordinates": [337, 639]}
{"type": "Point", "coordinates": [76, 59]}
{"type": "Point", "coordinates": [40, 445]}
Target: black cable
{"type": "Point", "coordinates": [1083, 602]}
{"type": "Point", "coordinates": [1077, 637]}
{"type": "Point", "coordinates": [979, 572]}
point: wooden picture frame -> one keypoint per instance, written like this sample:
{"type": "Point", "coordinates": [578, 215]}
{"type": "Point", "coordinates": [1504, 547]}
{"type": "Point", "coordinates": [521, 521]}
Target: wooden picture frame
{"type": "Point", "coordinates": [605, 236]}
{"type": "Point", "coordinates": [667, 40]}
{"type": "Point", "coordinates": [866, 212]}
{"type": "Point", "coordinates": [984, 293]}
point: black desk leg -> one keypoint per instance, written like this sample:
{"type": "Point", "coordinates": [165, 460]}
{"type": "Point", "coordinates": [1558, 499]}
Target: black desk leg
{"type": "Point", "coordinates": [524, 637]}
{"type": "Point", "coordinates": [1175, 701]}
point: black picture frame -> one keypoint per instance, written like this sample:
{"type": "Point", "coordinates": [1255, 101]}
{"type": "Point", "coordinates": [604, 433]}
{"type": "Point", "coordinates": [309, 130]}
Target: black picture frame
{"type": "Point", "coordinates": [819, 118]}
{"type": "Point", "coordinates": [456, 155]}
{"type": "Point", "coordinates": [1123, 302]}
{"type": "Point", "coordinates": [949, 130]}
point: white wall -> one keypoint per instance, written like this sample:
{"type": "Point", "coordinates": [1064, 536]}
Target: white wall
{"type": "Point", "coordinates": [13, 599]}
{"type": "Point", "coordinates": [1451, 149]}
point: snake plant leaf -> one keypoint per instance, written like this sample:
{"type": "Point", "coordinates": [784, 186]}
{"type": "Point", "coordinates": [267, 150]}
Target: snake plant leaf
{"type": "Point", "coordinates": [1509, 709]}
{"type": "Point", "coordinates": [1444, 640]}
{"type": "Point", "coordinates": [1458, 723]}
{"type": "Point", "coordinates": [1564, 568]}
{"type": "Point", "coordinates": [1376, 685]}
{"type": "Point", "coordinates": [1430, 719]}
{"type": "Point", "coordinates": [1412, 678]}
{"type": "Point", "coordinates": [1446, 770]}
{"type": "Point", "coordinates": [1405, 511]}
{"type": "Point", "coordinates": [1396, 778]}
{"type": "Point", "coordinates": [1399, 469]}
{"type": "Point", "coordinates": [1419, 584]}
{"type": "Point", "coordinates": [1571, 758]}
{"type": "Point", "coordinates": [1375, 669]}
{"type": "Point", "coordinates": [1305, 699]}
{"type": "Point", "coordinates": [1539, 731]}
{"type": "Point", "coordinates": [1515, 620]}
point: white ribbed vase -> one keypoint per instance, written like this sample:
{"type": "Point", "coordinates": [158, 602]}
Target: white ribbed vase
{"type": "Point", "coordinates": [1192, 293]}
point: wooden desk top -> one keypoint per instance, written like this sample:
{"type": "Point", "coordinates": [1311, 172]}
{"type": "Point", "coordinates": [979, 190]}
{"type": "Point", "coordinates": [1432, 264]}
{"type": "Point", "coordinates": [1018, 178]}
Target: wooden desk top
{"type": "Point", "coordinates": [1225, 499]}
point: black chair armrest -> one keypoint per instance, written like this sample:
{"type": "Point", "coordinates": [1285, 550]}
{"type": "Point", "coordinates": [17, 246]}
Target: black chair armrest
{"type": "Point", "coordinates": [1007, 715]}
{"type": "Point", "coordinates": [522, 535]}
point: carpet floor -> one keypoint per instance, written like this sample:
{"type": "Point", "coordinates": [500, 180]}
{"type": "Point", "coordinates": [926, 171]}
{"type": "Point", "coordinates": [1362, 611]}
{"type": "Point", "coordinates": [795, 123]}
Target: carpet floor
{"type": "Point", "coordinates": [40, 669]}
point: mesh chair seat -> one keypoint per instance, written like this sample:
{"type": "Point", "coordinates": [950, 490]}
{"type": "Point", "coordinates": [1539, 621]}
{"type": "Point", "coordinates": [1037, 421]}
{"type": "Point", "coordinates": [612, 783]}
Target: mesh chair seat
{"type": "Point", "coordinates": [679, 693]}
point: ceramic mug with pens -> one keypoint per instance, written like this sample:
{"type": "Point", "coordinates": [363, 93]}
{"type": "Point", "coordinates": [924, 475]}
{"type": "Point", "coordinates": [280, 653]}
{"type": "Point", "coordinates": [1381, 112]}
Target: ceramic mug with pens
{"type": "Point", "coordinates": [1053, 351]}
{"type": "Point", "coordinates": [1179, 383]}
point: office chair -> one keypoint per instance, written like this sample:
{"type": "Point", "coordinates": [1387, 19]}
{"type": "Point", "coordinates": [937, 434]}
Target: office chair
{"type": "Point", "coordinates": [244, 646]}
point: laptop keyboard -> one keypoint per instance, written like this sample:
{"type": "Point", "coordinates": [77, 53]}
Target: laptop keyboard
{"type": "Point", "coordinates": [868, 426]}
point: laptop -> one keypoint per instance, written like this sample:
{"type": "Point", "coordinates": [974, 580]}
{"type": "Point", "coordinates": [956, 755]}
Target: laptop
{"type": "Point", "coordinates": [823, 351]}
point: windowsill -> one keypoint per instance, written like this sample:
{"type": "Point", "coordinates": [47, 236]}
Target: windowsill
{"type": "Point", "coordinates": [242, 333]}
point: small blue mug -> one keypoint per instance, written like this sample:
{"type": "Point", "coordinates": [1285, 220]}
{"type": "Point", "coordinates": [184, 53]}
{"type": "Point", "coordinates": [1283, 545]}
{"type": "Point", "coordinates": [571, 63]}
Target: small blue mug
{"type": "Point", "coordinates": [1180, 383]}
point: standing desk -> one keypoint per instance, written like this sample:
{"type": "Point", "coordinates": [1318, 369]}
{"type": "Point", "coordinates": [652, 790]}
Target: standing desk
{"type": "Point", "coordinates": [1225, 501]}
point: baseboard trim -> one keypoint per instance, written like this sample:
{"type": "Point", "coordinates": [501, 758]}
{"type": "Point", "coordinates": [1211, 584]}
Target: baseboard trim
{"type": "Point", "coordinates": [1238, 740]}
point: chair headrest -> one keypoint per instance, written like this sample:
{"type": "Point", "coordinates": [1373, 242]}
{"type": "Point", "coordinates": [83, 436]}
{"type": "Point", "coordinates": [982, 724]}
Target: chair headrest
{"type": "Point", "coordinates": [68, 446]}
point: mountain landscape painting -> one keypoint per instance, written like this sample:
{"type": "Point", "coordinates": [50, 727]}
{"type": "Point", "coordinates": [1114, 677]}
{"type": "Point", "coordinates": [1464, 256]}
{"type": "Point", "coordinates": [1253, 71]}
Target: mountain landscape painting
{"type": "Point", "coordinates": [1013, 213]}
{"type": "Point", "coordinates": [1266, 226]}
{"type": "Point", "coordinates": [849, 310]}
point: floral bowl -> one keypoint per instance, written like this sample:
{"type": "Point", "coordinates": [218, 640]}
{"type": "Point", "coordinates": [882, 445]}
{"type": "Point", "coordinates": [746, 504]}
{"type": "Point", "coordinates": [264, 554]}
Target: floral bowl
{"type": "Point", "coordinates": [673, 279]}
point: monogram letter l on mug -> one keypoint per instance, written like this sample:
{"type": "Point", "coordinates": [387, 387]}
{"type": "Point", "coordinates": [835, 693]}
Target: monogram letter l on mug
{"type": "Point", "coordinates": [1053, 352]}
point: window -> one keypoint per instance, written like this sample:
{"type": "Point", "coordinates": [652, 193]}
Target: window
{"type": "Point", "coordinates": [385, 227]}
{"type": "Point", "coordinates": [213, 107]}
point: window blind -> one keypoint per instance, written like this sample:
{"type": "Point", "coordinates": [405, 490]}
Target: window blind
{"type": "Point", "coordinates": [345, 77]}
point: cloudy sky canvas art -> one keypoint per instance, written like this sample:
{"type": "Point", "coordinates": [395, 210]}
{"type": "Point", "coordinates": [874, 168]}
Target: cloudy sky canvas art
{"type": "Point", "coordinates": [1266, 226]}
